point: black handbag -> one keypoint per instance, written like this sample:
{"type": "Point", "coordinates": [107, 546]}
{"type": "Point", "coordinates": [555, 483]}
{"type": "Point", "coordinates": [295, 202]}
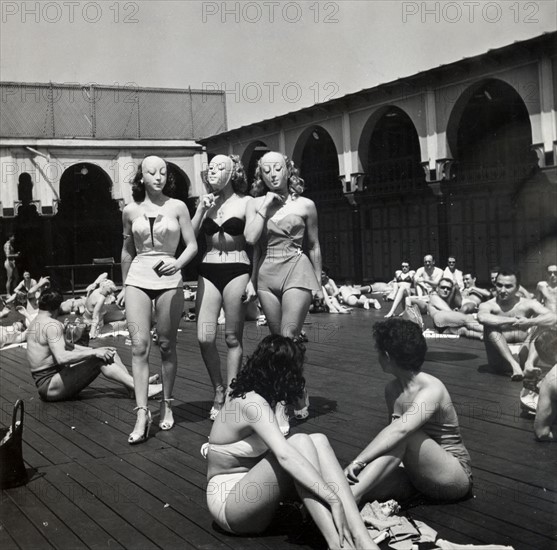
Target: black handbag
{"type": "Point", "coordinates": [12, 468]}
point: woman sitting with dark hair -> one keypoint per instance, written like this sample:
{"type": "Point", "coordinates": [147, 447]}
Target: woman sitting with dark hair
{"type": "Point", "coordinates": [252, 467]}
{"type": "Point", "coordinates": [423, 435]}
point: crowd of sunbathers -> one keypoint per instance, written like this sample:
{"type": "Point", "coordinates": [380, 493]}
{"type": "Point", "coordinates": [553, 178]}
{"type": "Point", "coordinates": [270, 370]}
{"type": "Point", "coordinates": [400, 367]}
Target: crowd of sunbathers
{"type": "Point", "coordinates": [247, 446]}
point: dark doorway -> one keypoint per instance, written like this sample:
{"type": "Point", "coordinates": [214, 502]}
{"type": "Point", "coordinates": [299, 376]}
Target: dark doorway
{"type": "Point", "coordinates": [89, 222]}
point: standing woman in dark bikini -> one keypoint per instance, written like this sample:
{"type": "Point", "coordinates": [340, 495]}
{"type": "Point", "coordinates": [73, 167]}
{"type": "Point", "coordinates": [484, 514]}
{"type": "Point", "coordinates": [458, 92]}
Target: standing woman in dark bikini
{"type": "Point", "coordinates": [153, 225]}
{"type": "Point", "coordinates": [277, 221]}
{"type": "Point", "coordinates": [224, 274]}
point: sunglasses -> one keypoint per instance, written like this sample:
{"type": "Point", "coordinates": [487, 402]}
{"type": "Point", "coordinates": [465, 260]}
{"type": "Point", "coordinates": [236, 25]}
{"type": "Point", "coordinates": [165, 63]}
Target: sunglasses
{"type": "Point", "coordinates": [552, 272]}
{"type": "Point", "coordinates": [445, 287]}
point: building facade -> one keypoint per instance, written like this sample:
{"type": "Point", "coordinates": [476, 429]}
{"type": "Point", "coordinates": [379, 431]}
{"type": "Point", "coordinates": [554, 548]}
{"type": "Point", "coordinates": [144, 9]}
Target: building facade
{"type": "Point", "coordinates": [68, 154]}
{"type": "Point", "coordinates": [457, 160]}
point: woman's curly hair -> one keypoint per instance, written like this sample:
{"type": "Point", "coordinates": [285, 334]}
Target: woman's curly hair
{"type": "Point", "coordinates": [138, 187]}
{"type": "Point", "coordinates": [274, 371]}
{"type": "Point", "coordinates": [295, 182]}
{"type": "Point", "coordinates": [238, 178]}
{"type": "Point", "coordinates": [403, 341]}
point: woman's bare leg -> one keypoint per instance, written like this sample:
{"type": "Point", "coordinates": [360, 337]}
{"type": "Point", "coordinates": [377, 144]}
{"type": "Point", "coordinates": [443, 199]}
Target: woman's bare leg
{"type": "Point", "coordinates": [251, 506]}
{"type": "Point", "coordinates": [235, 314]}
{"type": "Point", "coordinates": [168, 309]}
{"type": "Point", "coordinates": [139, 316]}
{"type": "Point", "coordinates": [207, 308]}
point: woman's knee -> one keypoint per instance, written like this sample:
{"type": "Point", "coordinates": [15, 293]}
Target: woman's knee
{"type": "Point", "coordinates": [301, 441]}
{"type": "Point", "coordinates": [140, 347]}
{"type": "Point", "coordinates": [232, 341]}
{"type": "Point", "coordinates": [166, 347]}
{"type": "Point", "coordinates": [321, 441]}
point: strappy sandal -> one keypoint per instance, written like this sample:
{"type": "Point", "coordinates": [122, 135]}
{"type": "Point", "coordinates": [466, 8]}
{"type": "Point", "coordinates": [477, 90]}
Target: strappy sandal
{"type": "Point", "coordinates": [303, 413]}
{"type": "Point", "coordinates": [217, 405]}
{"type": "Point", "coordinates": [138, 436]}
{"type": "Point", "coordinates": [166, 424]}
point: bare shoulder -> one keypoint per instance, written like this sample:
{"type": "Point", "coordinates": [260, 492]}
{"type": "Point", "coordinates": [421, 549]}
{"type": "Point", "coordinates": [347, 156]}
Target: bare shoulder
{"type": "Point", "coordinates": [489, 306]}
{"type": "Point", "coordinates": [177, 206]}
{"type": "Point", "coordinates": [542, 285]}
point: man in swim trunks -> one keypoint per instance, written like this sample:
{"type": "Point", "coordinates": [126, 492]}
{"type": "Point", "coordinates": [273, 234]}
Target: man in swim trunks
{"type": "Point", "coordinates": [521, 292]}
{"type": "Point", "coordinates": [354, 296]}
{"type": "Point", "coordinates": [441, 308]}
{"type": "Point", "coordinates": [472, 295]}
{"type": "Point", "coordinates": [425, 281]}
{"type": "Point", "coordinates": [506, 320]}
{"type": "Point", "coordinates": [61, 373]}
{"type": "Point", "coordinates": [546, 291]}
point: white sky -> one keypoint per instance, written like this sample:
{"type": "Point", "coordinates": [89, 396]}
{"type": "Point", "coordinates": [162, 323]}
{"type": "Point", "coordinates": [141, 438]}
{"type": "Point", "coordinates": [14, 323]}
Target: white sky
{"type": "Point", "coordinates": [274, 56]}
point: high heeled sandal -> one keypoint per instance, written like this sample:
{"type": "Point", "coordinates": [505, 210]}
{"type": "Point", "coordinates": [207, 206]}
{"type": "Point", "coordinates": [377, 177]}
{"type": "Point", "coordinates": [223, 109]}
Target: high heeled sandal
{"type": "Point", "coordinates": [282, 418]}
{"type": "Point", "coordinates": [217, 406]}
{"type": "Point", "coordinates": [166, 424]}
{"type": "Point", "coordinates": [135, 437]}
{"type": "Point", "coordinates": [303, 413]}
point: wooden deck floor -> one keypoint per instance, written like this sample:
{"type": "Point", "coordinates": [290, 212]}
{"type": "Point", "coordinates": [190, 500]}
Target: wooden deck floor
{"type": "Point", "coordinates": [90, 489]}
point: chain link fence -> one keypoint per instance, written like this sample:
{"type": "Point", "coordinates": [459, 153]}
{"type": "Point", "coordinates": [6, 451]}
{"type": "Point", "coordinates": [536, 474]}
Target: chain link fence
{"type": "Point", "coordinates": [109, 112]}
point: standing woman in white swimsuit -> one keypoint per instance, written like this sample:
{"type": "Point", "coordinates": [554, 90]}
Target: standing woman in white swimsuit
{"type": "Point", "coordinates": [153, 225]}
{"type": "Point", "coordinates": [277, 221]}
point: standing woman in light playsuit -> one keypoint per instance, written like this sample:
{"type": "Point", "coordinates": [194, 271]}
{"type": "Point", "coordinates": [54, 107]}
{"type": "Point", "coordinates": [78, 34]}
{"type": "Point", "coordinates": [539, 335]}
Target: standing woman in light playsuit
{"type": "Point", "coordinates": [277, 221]}
{"type": "Point", "coordinates": [224, 273]}
{"type": "Point", "coordinates": [153, 225]}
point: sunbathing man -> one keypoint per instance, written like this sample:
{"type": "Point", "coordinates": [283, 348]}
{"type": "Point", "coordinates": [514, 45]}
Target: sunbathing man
{"type": "Point", "coordinates": [546, 291]}
{"type": "Point", "coordinates": [451, 272]}
{"type": "Point", "coordinates": [441, 308]}
{"type": "Point", "coordinates": [506, 320]}
{"type": "Point", "coordinates": [546, 410]}
{"type": "Point", "coordinates": [425, 282]}
{"type": "Point", "coordinates": [353, 296]}
{"type": "Point", "coordinates": [472, 295]}
{"type": "Point", "coordinates": [330, 295]}
{"type": "Point", "coordinates": [522, 292]}
{"type": "Point", "coordinates": [13, 334]}
{"type": "Point", "coordinates": [97, 306]}
{"type": "Point", "coordinates": [61, 373]}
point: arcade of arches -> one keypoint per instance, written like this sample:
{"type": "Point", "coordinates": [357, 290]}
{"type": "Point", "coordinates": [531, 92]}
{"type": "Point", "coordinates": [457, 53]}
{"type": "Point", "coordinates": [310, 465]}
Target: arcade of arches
{"type": "Point", "coordinates": [494, 206]}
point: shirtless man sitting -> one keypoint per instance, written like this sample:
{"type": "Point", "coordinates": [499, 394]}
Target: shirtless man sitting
{"type": "Point", "coordinates": [506, 320]}
{"type": "Point", "coordinates": [546, 291]}
{"type": "Point", "coordinates": [472, 295]}
{"type": "Point", "coordinates": [97, 306]}
{"type": "Point", "coordinates": [522, 292]}
{"type": "Point", "coordinates": [426, 280]}
{"type": "Point", "coordinates": [61, 373]}
{"type": "Point", "coordinates": [441, 308]}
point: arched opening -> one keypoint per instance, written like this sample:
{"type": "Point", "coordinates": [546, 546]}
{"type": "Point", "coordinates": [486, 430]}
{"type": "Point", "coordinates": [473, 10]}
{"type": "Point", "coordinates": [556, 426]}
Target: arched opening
{"type": "Point", "coordinates": [317, 157]}
{"type": "Point", "coordinates": [254, 151]}
{"type": "Point", "coordinates": [490, 135]}
{"type": "Point", "coordinates": [88, 223]}
{"type": "Point", "coordinates": [393, 155]}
